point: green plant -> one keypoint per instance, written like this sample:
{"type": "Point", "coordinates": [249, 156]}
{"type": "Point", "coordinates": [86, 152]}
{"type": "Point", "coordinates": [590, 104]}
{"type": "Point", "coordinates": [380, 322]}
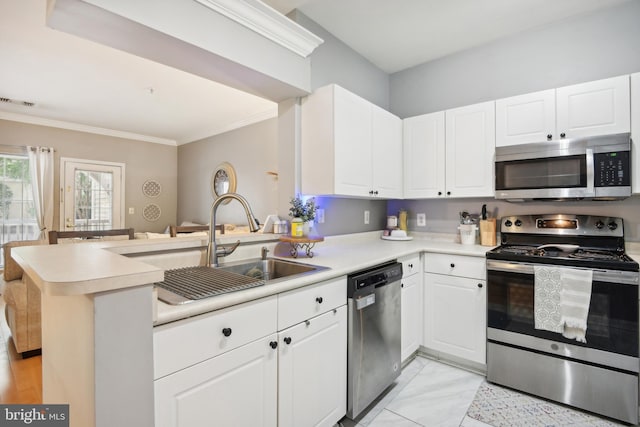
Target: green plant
{"type": "Point", "coordinates": [306, 211]}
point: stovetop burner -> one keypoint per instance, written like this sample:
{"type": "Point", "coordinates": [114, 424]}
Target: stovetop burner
{"type": "Point", "coordinates": [571, 240]}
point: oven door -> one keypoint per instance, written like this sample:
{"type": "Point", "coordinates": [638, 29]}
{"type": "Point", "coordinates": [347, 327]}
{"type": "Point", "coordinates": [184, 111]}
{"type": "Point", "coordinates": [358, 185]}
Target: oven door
{"type": "Point", "coordinates": [612, 322]}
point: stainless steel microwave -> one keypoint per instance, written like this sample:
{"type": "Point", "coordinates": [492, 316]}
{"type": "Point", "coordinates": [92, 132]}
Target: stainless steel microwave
{"type": "Point", "coordinates": [593, 168]}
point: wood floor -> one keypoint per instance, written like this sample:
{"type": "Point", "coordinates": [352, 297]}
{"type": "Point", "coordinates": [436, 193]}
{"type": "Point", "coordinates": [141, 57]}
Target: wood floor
{"type": "Point", "coordinates": [20, 379]}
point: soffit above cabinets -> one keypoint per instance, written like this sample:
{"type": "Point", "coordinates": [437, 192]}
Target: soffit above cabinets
{"type": "Point", "coordinates": [203, 42]}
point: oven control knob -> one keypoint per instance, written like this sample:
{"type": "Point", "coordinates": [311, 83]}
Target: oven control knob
{"type": "Point", "coordinates": [612, 225]}
{"type": "Point", "coordinates": [518, 223]}
{"type": "Point", "coordinates": [508, 223]}
{"type": "Point", "coordinates": [599, 225]}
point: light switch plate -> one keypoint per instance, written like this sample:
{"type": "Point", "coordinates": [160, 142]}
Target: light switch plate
{"type": "Point", "coordinates": [421, 220]}
{"type": "Point", "coordinates": [320, 215]}
{"type": "Point", "coordinates": [366, 217]}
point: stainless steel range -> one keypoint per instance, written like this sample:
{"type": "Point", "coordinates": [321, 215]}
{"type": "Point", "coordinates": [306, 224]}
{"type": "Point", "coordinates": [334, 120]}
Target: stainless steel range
{"type": "Point", "coordinates": [562, 319]}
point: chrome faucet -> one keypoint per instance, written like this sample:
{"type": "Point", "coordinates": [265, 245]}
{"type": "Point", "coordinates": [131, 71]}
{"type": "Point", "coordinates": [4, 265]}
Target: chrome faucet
{"type": "Point", "coordinates": [263, 253]}
{"type": "Point", "coordinates": [215, 252]}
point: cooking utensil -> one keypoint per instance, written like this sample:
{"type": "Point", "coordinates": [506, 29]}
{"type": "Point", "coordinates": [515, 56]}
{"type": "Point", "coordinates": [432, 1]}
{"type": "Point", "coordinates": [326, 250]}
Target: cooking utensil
{"type": "Point", "coordinates": [484, 212]}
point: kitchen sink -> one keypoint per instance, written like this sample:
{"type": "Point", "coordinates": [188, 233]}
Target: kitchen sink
{"type": "Point", "coordinates": [271, 269]}
{"type": "Point", "coordinates": [184, 285]}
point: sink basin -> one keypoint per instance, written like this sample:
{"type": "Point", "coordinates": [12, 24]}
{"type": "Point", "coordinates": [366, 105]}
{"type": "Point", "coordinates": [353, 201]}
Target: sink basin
{"type": "Point", "coordinates": [271, 269]}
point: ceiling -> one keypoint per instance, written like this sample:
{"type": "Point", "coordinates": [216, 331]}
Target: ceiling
{"type": "Point", "coordinates": [78, 84]}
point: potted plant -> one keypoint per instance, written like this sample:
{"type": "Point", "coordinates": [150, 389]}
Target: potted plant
{"type": "Point", "coordinates": [301, 212]}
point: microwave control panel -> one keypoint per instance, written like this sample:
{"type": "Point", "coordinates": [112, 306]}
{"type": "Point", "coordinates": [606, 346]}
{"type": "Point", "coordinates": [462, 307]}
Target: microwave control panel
{"type": "Point", "coordinates": [612, 169]}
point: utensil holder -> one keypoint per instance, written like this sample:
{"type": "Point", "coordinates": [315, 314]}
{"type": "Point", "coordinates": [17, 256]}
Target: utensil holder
{"type": "Point", "coordinates": [488, 232]}
{"type": "Point", "coordinates": [468, 233]}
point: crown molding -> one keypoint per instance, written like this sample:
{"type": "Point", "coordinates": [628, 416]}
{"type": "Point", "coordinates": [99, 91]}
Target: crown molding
{"type": "Point", "coordinates": [23, 118]}
{"type": "Point", "coordinates": [268, 22]}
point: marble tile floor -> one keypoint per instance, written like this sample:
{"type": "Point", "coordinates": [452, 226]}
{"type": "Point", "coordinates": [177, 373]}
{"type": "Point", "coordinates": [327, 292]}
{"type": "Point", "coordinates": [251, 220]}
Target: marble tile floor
{"type": "Point", "coordinates": [428, 393]}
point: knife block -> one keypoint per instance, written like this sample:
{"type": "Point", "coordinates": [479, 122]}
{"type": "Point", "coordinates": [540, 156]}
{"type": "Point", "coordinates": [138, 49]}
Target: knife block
{"type": "Point", "coordinates": [488, 232]}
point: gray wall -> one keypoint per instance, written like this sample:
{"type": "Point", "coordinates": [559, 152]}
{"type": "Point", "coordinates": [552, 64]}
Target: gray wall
{"type": "Point", "coordinates": [443, 215]}
{"type": "Point", "coordinates": [587, 47]}
{"type": "Point", "coordinates": [252, 152]}
{"type": "Point", "coordinates": [143, 160]}
{"type": "Point", "coordinates": [335, 62]}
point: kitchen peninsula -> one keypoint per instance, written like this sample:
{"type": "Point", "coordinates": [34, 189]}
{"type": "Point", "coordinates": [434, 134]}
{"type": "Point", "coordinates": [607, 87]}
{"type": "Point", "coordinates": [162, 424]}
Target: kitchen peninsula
{"type": "Point", "coordinates": [99, 310]}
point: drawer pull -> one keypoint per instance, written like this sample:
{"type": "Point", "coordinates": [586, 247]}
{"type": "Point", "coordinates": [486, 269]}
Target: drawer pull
{"type": "Point", "coordinates": [287, 340]}
{"type": "Point", "coordinates": [453, 265]}
{"type": "Point", "coordinates": [273, 344]}
{"type": "Point", "coordinates": [226, 332]}
{"type": "Point", "coordinates": [480, 285]}
{"type": "Point", "coordinates": [410, 265]}
{"type": "Point", "coordinates": [319, 300]}
{"type": "Point", "coordinates": [307, 323]}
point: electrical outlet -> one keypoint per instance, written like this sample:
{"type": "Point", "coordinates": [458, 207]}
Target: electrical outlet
{"type": "Point", "coordinates": [132, 211]}
{"type": "Point", "coordinates": [421, 220]}
{"type": "Point", "coordinates": [366, 217]}
{"type": "Point", "coordinates": [320, 215]}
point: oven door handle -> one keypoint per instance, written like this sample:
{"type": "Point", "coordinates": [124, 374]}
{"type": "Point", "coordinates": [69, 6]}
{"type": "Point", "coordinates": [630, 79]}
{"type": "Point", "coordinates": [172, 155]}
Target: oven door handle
{"type": "Point", "coordinates": [611, 276]}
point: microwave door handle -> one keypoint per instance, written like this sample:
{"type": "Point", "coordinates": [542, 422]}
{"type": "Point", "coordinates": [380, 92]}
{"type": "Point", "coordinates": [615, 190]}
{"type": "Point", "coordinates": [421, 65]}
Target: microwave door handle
{"type": "Point", "coordinates": [590, 173]}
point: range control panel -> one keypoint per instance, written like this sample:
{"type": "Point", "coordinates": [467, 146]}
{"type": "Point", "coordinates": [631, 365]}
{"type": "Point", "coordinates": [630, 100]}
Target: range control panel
{"type": "Point", "coordinates": [612, 169]}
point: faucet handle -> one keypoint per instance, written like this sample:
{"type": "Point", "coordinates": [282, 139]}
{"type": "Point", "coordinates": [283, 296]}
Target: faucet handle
{"type": "Point", "coordinates": [223, 251]}
{"type": "Point", "coordinates": [264, 252]}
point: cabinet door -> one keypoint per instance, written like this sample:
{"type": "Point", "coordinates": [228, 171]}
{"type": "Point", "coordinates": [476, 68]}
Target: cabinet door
{"type": "Point", "coordinates": [386, 154]}
{"type": "Point", "coordinates": [635, 132]}
{"type": "Point", "coordinates": [526, 118]}
{"type": "Point", "coordinates": [470, 147]}
{"type": "Point", "coordinates": [411, 315]}
{"type": "Point", "coordinates": [237, 388]}
{"type": "Point", "coordinates": [424, 161]}
{"type": "Point", "coordinates": [455, 316]}
{"type": "Point", "coordinates": [312, 374]}
{"type": "Point", "coordinates": [353, 155]}
{"type": "Point", "coordinates": [594, 108]}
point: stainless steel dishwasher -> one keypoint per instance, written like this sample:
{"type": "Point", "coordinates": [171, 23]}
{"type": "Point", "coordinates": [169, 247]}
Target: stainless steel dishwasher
{"type": "Point", "coordinates": [373, 346]}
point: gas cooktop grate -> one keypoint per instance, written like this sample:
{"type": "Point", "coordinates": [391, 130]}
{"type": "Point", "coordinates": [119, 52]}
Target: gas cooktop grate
{"type": "Point", "coordinates": [196, 283]}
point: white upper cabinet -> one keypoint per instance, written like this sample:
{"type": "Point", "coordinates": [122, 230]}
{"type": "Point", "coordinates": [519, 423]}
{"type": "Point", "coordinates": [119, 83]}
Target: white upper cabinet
{"type": "Point", "coordinates": [470, 147]}
{"type": "Point", "coordinates": [595, 108]}
{"type": "Point", "coordinates": [350, 147]}
{"type": "Point", "coordinates": [450, 153]}
{"type": "Point", "coordinates": [587, 109]}
{"type": "Point", "coordinates": [526, 118]}
{"type": "Point", "coordinates": [386, 148]}
{"type": "Point", "coordinates": [424, 172]}
{"type": "Point", "coordinates": [635, 133]}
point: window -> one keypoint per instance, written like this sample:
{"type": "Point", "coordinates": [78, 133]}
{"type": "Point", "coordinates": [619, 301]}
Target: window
{"type": "Point", "coordinates": [93, 195]}
{"type": "Point", "coordinates": [17, 212]}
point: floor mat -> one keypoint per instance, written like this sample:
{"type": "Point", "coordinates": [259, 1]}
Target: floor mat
{"type": "Point", "coordinates": [502, 407]}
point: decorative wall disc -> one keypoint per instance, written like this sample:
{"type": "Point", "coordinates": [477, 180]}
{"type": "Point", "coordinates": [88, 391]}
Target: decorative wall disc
{"type": "Point", "coordinates": [151, 212]}
{"type": "Point", "coordinates": [151, 188]}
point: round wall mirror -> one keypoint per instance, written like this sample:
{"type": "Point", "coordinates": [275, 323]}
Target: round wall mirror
{"type": "Point", "coordinates": [223, 180]}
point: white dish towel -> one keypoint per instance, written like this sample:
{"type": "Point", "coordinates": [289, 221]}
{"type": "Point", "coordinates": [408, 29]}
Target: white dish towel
{"type": "Point", "coordinates": [561, 300]}
{"type": "Point", "coordinates": [575, 299]}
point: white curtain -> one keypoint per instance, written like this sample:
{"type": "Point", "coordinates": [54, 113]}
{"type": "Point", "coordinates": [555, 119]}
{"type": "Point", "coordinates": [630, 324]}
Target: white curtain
{"type": "Point", "coordinates": [41, 170]}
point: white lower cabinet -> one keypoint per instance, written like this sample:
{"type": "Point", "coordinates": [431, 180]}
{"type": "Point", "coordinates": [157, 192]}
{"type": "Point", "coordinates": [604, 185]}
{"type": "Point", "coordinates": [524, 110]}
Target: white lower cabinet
{"type": "Point", "coordinates": [312, 371]}
{"type": "Point", "coordinates": [411, 335]}
{"type": "Point", "coordinates": [237, 388]}
{"type": "Point", "coordinates": [232, 367]}
{"type": "Point", "coordinates": [455, 306]}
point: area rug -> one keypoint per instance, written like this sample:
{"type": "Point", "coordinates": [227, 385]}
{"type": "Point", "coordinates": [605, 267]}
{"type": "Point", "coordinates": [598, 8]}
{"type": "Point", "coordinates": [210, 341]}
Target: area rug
{"type": "Point", "coordinates": [502, 407]}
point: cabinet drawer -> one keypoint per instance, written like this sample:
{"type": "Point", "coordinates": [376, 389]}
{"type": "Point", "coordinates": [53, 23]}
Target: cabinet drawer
{"type": "Point", "coordinates": [455, 265]}
{"type": "Point", "coordinates": [190, 341]}
{"type": "Point", "coordinates": [304, 303]}
{"type": "Point", "coordinates": [410, 265]}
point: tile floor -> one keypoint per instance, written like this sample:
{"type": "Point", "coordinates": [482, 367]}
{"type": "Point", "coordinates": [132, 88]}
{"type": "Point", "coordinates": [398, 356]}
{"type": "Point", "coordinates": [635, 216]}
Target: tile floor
{"type": "Point", "coordinates": [428, 393]}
